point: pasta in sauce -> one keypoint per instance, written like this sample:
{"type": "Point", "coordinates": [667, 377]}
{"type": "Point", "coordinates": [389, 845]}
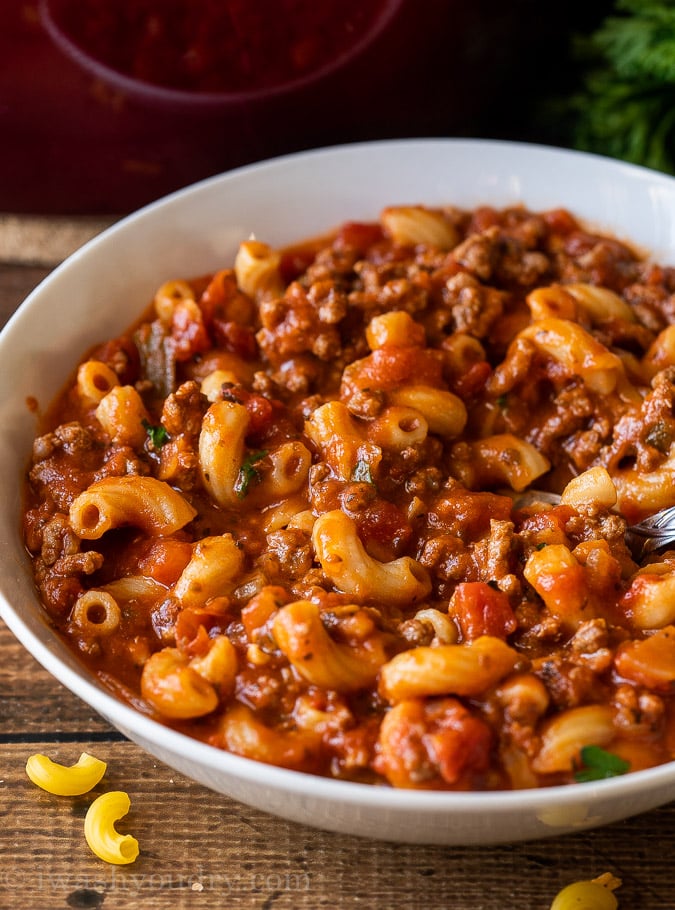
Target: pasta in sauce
{"type": "Point", "coordinates": [281, 513]}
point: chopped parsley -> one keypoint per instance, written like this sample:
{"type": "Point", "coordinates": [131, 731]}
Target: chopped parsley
{"type": "Point", "coordinates": [598, 764]}
{"type": "Point", "coordinates": [157, 434]}
{"type": "Point", "coordinates": [248, 473]}
{"type": "Point", "coordinates": [362, 473]}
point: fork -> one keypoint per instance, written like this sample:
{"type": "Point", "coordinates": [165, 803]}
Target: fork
{"type": "Point", "coordinates": [645, 537]}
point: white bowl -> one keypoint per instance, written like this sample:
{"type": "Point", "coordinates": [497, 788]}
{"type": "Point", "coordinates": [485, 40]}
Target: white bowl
{"type": "Point", "coordinates": [101, 289]}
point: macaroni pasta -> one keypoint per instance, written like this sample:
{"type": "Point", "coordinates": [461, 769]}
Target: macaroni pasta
{"type": "Point", "coordinates": [293, 511]}
{"type": "Point", "coordinates": [64, 780]}
{"type": "Point", "coordinates": [100, 833]}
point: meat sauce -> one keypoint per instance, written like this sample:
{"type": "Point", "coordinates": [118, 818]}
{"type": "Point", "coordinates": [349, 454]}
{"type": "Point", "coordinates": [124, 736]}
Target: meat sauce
{"type": "Point", "coordinates": [305, 660]}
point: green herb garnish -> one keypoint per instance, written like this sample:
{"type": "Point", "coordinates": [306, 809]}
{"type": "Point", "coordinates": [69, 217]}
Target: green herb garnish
{"type": "Point", "coordinates": [598, 764]}
{"type": "Point", "coordinates": [157, 434]}
{"type": "Point", "coordinates": [248, 473]}
{"type": "Point", "coordinates": [362, 473]}
{"type": "Point", "coordinates": [625, 107]}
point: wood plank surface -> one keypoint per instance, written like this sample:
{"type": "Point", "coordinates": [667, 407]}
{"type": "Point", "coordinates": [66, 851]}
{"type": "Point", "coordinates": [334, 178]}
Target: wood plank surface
{"type": "Point", "coordinates": [200, 849]}
{"type": "Point", "coordinates": [203, 850]}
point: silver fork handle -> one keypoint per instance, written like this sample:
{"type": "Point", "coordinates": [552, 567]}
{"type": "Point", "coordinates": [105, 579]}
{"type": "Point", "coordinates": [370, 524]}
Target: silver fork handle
{"type": "Point", "coordinates": [654, 533]}
{"type": "Point", "coordinates": [659, 523]}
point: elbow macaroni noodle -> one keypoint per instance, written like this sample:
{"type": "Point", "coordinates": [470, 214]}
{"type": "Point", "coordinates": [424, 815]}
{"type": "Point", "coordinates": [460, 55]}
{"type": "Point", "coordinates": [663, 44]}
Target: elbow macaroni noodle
{"type": "Point", "coordinates": [63, 780]}
{"type": "Point", "coordinates": [301, 636]}
{"type": "Point", "coordinates": [95, 380]}
{"type": "Point", "coordinates": [257, 270]}
{"type": "Point", "coordinates": [100, 833]}
{"type": "Point", "coordinates": [596, 894]}
{"type": "Point", "coordinates": [345, 561]}
{"type": "Point", "coordinates": [467, 669]}
{"type": "Point", "coordinates": [123, 416]}
{"type": "Point", "coordinates": [113, 502]}
{"type": "Point", "coordinates": [290, 509]}
{"type": "Point", "coordinates": [103, 812]}
{"type": "Point", "coordinates": [417, 224]}
{"type": "Point", "coordinates": [214, 566]}
{"type": "Point", "coordinates": [577, 352]}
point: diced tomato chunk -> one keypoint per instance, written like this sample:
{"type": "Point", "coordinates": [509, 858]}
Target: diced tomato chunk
{"type": "Point", "coordinates": [261, 410]}
{"type": "Point", "coordinates": [223, 300]}
{"type": "Point", "coordinates": [473, 380]}
{"type": "Point", "coordinates": [391, 366]}
{"type": "Point", "coordinates": [195, 627]}
{"type": "Point", "coordinates": [650, 662]}
{"type": "Point", "coordinates": [384, 529]}
{"type": "Point", "coordinates": [360, 235]}
{"type": "Point", "coordinates": [188, 331]}
{"type": "Point", "coordinates": [121, 354]}
{"type": "Point", "coordinates": [560, 221]}
{"type": "Point", "coordinates": [550, 525]}
{"type": "Point", "coordinates": [481, 609]}
{"type": "Point", "coordinates": [236, 338]}
{"type": "Point", "coordinates": [483, 218]}
{"type": "Point", "coordinates": [432, 744]}
{"type": "Point", "coordinates": [468, 513]}
{"type": "Point", "coordinates": [261, 607]}
{"type": "Point", "coordinates": [164, 559]}
{"type": "Point", "coordinates": [461, 741]}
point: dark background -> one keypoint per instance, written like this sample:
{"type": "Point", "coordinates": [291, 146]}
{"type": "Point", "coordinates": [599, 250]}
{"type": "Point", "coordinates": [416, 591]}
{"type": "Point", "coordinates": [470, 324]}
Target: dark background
{"type": "Point", "coordinates": [72, 144]}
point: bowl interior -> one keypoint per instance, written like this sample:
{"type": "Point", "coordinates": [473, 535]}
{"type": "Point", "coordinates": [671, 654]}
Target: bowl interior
{"type": "Point", "coordinates": [101, 290]}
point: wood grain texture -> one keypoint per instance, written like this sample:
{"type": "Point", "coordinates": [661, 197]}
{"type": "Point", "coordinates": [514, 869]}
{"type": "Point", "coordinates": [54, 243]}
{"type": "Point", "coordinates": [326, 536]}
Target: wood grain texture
{"type": "Point", "coordinates": [202, 850]}
{"type": "Point", "coordinates": [45, 240]}
{"type": "Point", "coordinates": [16, 282]}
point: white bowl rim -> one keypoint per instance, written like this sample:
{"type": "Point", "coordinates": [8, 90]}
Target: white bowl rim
{"type": "Point", "coordinates": [123, 716]}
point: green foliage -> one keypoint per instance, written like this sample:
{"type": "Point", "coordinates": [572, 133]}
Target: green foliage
{"type": "Point", "coordinates": [642, 44]}
{"type": "Point", "coordinates": [625, 107]}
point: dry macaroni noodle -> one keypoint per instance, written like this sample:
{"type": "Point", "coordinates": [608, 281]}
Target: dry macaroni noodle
{"type": "Point", "coordinates": [63, 780]}
{"type": "Point", "coordinates": [99, 829]}
{"type": "Point", "coordinates": [596, 894]}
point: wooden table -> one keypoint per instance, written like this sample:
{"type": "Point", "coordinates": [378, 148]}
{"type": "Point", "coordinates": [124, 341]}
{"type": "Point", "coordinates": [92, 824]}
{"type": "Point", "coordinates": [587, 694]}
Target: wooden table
{"type": "Point", "coordinates": [202, 850]}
